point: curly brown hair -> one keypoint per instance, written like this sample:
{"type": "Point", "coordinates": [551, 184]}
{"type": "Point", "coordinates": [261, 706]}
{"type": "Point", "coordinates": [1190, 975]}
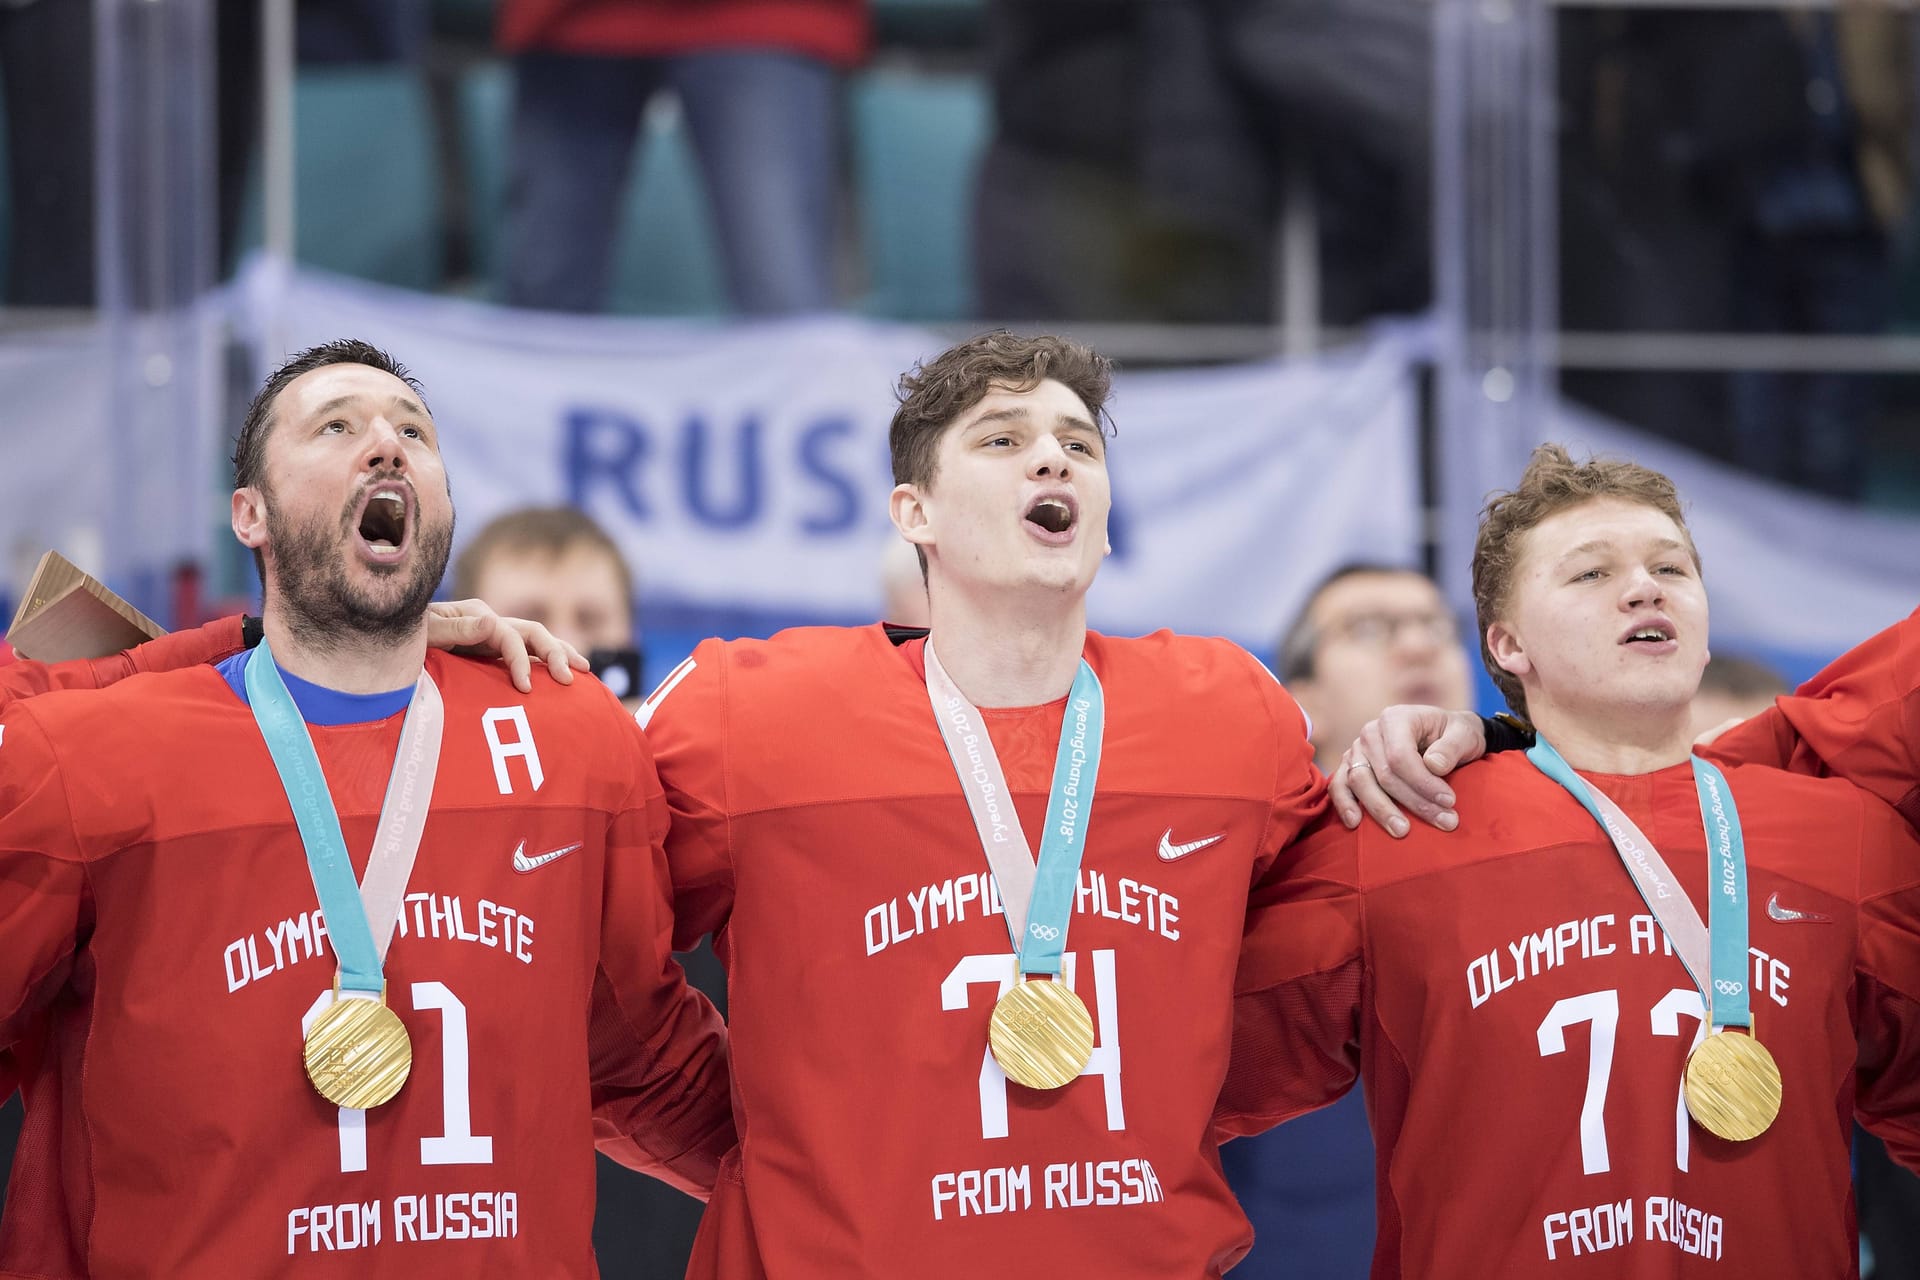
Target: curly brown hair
{"type": "Point", "coordinates": [934, 393]}
{"type": "Point", "coordinates": [1552, 483]}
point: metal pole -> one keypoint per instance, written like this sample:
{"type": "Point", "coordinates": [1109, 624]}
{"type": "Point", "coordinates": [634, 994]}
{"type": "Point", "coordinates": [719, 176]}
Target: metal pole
{"type": "Point", "coordinates": [155, 238]}
{"type": "Point", "coordinates": [1299, 259]}
{"type": "Point", "coordinates": [276, 86]}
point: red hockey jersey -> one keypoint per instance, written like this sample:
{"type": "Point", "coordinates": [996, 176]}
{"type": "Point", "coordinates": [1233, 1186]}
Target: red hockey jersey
{"type": "Point", "coordinates": [161, 947]}
{"type": "Point", "coordinates": [210, 643]}
{"type": "Point", "coordinates": [1522, 1027]}
{"type": "Point", "coordinates": [819, 826]}
{"type": "Point", "coordinates": [1859, 719]}
{"type": "Point", "coordinates": [20, 678]}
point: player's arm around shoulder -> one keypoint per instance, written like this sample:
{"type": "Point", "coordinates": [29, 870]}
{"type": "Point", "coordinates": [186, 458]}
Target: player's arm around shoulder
{"type": "Point", "coordinates": [1862, 684]}
{"type": "Point", "coordinates": [1858, 719]}
{"type": "Point", "coordinates": [44, 888]}
{"type": "Point", "coordinates": [1887, 994]}
{"type": "Point", "coordinates": [1766, 739]}
{"type": "Point", "coordinates": [662, 1090]}
{"type": "Point", "coordinates": [210, 643]}
{"type": "Point", "coordinates": [1298, 990]}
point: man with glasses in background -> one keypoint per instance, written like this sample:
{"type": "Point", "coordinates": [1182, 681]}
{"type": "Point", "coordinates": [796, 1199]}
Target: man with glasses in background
{"type": "Point", "coordinates": [1370, 636]}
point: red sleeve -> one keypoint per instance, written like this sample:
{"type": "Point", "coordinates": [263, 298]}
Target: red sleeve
{"type": "Point", "coordinates": [662, 1094]}
{"type": "Point", "coordinates": [1859, 719]}
{"type": "Point", "coordinates": [685, 719]}
{"type": "Point", "coordinates": [1299, 788]}
{"type": "Point", "coordinates": [1887, 1091]}
{"type": "Point", "coordinates": [44, 900]}
{"type": "Point", "coordinates": [1766, 739]}
{"type": "Point", "coordinates": [216, 640]}
{"type": "Point", "coordinates": [1296, 1000]}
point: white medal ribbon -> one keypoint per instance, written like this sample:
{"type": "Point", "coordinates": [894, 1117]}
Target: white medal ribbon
{"type": "Point", "coordinates": [984, 783]}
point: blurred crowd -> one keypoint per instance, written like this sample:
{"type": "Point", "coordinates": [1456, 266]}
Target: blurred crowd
{"type": "Point", "coordinates": [1737, 172]}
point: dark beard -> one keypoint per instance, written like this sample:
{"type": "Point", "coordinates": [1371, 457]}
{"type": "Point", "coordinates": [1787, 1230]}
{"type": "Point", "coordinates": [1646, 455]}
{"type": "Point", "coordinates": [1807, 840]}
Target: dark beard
{"type": "Point", "coordinates": [322, 602]}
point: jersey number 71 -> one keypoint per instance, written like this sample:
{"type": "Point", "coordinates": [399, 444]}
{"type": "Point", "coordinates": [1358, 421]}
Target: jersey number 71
{"type": "Point", "coordinates": [459, 1144]}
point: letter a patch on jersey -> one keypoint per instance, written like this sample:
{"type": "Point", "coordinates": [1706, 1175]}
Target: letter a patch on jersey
{"type": "Point", "coordinates": [521, 746]}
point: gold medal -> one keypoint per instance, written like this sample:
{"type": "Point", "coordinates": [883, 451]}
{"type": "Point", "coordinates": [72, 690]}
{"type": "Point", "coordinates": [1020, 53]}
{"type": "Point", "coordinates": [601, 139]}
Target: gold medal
{"type": "Point", "coordinates": [358, 1053]}
{"type": "Point", "coordinates": [1732, 1086]}
{"type": "Point", "coordinates": [1041, 1034]}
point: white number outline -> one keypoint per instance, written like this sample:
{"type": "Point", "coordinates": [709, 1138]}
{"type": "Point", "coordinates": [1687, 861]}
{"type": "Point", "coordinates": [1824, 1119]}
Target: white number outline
{"type": "Point", "coordinates": [459, 1144]}
{"type": "Point", "coordinates": [1602, 1009]}
{"type": "Point", "coordinates": [1681, 1002]}
{"type": "Point", "coordinates": [996, 970]}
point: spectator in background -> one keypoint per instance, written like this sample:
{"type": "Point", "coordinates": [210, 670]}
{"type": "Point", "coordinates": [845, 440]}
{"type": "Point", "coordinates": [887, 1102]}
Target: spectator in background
{"type": "Point", "coordinates": [1733, 688]}
{"type": "Point", "coordinates": [564, 572]}
{"type": "Point", "coordinates": [759, 83]}
{"type": "Point", "coordinates": [559, 568]}
{"type": "Point", "coordinates": [1737, 172]}
{"type": "Point", "coordinates": [1059, 228]}
{"type": "Point", "coordinates": [361, 31]}
{"type": "Point", "coordinates": [1141, 148]}
{"type": "Point", "coordinates": [1369, 636]}
{"type": "Point", "coordinates": [1237, 92]}
{"type": "Point", "coordinates": [1822, 182]}
{"type": "Point", "coordinates": [1064, 227]}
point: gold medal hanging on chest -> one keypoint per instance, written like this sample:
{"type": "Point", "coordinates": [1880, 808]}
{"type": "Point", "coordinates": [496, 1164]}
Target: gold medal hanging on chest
{"type": "Point", "coordinates": [1732, 1086]}
{"type": "Point", "coordinates": [358, 1052]}
{"type": "Point", "coordinates": [1041, 1034]}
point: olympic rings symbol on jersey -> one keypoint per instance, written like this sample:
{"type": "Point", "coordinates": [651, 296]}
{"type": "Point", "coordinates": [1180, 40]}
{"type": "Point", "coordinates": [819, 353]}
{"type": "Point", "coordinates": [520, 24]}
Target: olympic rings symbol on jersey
{"type": "Point", "coordinates": [1044, 932]}
{"type": "Point", "coordinates": [1726, 988]}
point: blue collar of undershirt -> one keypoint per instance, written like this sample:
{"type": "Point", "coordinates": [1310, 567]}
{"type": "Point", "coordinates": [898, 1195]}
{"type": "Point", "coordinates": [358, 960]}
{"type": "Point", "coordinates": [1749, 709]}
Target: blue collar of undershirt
{"type": "Point", "coordinates": [319, 704]}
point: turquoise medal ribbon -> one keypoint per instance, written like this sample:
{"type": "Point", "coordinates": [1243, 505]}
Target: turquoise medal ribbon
{"type": "Point", "coordinates": [1076, 768]}
{"type": "Point", "coordinates": [1715, 954]}
{"type": "Point", "coordinates": [361, 957]}
{"type": "Point", "coordinates": [1727, 912]}
{"type": "Point", "coordinates": [1036, 894]}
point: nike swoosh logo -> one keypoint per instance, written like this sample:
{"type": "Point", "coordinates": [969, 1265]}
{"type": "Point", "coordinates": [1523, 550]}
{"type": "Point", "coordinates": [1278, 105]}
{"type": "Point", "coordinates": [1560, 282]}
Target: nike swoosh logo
{"type": "Point", "coordinates": [1787, 915]}
{"type": "Point", "coordinates": [523, 864]}
{"type": "Point", "coordinates": [1171, 852]}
